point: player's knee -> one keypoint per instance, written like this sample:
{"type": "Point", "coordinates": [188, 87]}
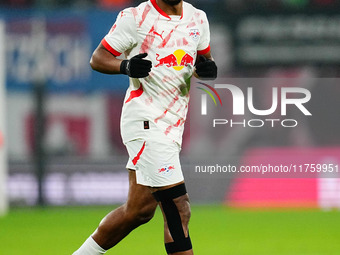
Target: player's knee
{"type": "Point", "coordinates": [176, 209]}
{"type": "Point", "coordinates": [140, 215]}
{"type": "Point", "coordinates": [145, 214]}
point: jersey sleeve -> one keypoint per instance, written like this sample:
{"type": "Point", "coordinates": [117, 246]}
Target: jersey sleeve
{"type": "Point", "coordinates": [123, 34]}
{"type": "Point", "coordinates": [204, 42]}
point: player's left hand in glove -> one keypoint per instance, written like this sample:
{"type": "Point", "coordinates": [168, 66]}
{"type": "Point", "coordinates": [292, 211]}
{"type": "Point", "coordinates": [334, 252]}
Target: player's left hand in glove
{"type": "Point", "coordinates": [136, 67]}
{"type": "Point", "coordinates": [206, 68]}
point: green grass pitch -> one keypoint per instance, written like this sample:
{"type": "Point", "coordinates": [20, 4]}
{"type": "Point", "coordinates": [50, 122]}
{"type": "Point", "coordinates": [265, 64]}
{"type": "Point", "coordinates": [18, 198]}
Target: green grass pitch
{"type": "Point", "coordinates": [214, 230]}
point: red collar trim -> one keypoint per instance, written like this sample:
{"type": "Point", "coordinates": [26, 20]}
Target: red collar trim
{"type": "Point", "coordinates": [161, 11]}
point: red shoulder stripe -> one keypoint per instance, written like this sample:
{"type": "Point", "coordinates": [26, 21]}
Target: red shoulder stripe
{"type": "Point", "coordinates": [109, 48]}
{"type": "Point", "coordinates": [205, 51]}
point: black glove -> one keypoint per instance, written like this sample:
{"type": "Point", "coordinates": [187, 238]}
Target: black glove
{"type": "Point", "coordinates": [206, 68]}
{"type": "Point", "coordinates": [136, 67]}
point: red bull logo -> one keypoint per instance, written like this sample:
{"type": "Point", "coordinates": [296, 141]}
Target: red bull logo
{"type": "Point", "coordinates": [178, 60]}
{"type": "Point", "coordinates": [166, 170]}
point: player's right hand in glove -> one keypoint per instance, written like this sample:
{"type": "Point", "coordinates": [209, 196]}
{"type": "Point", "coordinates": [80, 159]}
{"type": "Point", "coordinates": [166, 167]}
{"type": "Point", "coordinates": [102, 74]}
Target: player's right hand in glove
{"type": "Point", "coordinates": [136, 67]}
{"type": "Point", "coordinates": [206, 68]}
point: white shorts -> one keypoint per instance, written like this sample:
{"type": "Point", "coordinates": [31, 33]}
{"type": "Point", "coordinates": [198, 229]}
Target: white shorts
{"type": "Point", "coordinates": [156, 162]}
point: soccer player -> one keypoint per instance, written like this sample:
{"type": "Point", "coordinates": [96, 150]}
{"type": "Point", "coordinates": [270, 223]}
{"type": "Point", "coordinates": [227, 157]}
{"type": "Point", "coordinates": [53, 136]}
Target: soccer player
{"type": "Point", "coordinates": [165, 42]}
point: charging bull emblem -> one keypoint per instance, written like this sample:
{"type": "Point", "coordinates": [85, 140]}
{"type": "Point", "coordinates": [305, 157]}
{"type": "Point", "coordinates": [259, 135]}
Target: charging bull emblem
{"type": "Point", "coordinates": [178, 60]}
{"type": "Point", "coordinates": [194, 34]}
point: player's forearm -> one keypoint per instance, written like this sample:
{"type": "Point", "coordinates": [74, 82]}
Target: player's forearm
{"type": "Point", "coordinates": [104, 62]}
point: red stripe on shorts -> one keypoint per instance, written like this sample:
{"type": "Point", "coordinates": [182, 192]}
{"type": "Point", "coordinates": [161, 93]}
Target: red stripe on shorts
{"type": "Point", "coordinates": [135, 160]}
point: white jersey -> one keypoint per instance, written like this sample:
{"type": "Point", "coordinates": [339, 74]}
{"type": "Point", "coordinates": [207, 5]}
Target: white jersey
{"type": "Point", "coordinates": [156, 106]}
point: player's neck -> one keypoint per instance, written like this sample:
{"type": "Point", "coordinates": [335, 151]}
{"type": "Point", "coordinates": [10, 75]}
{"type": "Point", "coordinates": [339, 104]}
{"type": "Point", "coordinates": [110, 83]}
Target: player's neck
{"type": "Point", "coordinates": [170, 9]}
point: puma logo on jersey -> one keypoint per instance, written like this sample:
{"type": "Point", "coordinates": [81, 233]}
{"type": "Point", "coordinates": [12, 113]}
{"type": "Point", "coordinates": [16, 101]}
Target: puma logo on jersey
{"type": "Point", "coordinates": [160, 35]}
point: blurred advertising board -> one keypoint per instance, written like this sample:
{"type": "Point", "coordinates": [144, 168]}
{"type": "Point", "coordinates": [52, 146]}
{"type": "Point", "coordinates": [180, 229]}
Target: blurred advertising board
{"type": "Point", "coordinates": [56, 47]}
{"type": "Point", "coordinates": [319, 188]}
{"type": "Point", "coordinates": [76, 125]}
{"type": "Point", "coordinates": [286, 39]}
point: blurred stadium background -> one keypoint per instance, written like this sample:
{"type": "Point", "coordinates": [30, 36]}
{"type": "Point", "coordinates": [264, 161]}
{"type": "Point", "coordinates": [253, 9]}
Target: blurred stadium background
{"type": "Point", "coordinates": [60, 144]}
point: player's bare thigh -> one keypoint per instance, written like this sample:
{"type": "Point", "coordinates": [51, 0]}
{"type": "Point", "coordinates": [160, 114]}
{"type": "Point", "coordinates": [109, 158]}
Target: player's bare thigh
{"type": "Point", "coordinates": [139, 196]}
